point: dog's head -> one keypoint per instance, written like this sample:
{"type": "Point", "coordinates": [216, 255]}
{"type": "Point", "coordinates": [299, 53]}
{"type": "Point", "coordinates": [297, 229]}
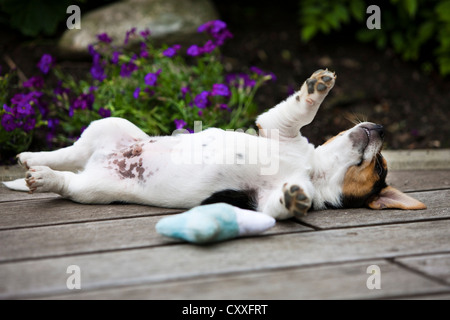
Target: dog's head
{"type": "Point", "coordinates": [356, 164]}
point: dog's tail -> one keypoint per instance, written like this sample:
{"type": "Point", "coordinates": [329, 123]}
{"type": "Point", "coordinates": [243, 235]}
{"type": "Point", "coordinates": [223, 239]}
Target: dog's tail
{"type": "Point", "coordinates": [17, 185]}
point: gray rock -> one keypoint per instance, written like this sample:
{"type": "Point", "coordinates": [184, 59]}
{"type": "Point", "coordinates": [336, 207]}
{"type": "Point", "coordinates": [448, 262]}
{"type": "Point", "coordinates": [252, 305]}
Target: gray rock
{"type": "Point", "coordinates": [168, 20]}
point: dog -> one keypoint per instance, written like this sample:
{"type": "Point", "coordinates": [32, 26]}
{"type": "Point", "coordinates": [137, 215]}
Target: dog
{"type": "Point", "coordinates": [277, 172]}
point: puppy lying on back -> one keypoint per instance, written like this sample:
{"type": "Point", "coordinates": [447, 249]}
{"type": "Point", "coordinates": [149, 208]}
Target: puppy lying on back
{"type": "Point", "coordinates": [278, 172]}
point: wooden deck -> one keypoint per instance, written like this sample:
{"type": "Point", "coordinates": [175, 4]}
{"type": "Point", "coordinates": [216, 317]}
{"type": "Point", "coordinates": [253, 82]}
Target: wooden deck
{"type": "Point", "coordinates": [325, 256]}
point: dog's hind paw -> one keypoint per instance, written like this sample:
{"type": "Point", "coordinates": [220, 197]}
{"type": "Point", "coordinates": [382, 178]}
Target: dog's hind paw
{"type": "Point", "coordinates": [296, 200]}
{"type": "Point", "coordinates": [41, 179]}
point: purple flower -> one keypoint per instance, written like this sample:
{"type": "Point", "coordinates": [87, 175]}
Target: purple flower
{"type": "Point", "coordinates": [83, 102]}
{"type": "Point", "coordinates": [25, 109]}
{"type": "Point", "coordinates": [60, 90]}
{"type": "Point", "coordinates": [23, 102]}
{"type": "Point", "coordinates": [8, 109]}
{"type": "Point", "coordinates": [8, 122]}
{"type": "Point", "coordinates": [151, 78]}
{"type": "Point", "coordinates": [221, 37]}
{"type": "Point", "coordinates": [144, 52]}
{"type": "Point", "coordinates": [136, 93]}
{"type": "Point", "coordinates": [97, 72]}
{"type": "Point", "coordinates": [115, 57]}
{"type": "Point", "coordinates": [52, 123]}
{"type": "Point", "coordinates": [201, 100]}
{"type": "Point", "coordinates": [240, 80]}
{"type": "Point", "coordinates": [91, 50]}
{"type": "Point", "coordinates": [209, 47]}
{"type": "Point", "coordinates": [103, 37]}
{"type": "Point", "coordinates": [184, 90]}
{"type": "Point", "coordinates": [212, 27]}
{"type": "Point", "coordinates": [34, 82]}
{"type": "Point", "coordinates": [29, 124]}
{"type": "Point", "coordinates": [218, 30]}
{"type": "Point", "coordinates": [257, 70]}
{"type": "Point", "coordinates": [145, 33]}
{"type": "Point", "coordinates": [179, 123]}
{"type": "Point", "coordinates": [171, 51]}
{"type": "Point", "coordinates": [127, 69]}
{"type": "Point", "coordinates": [45, 63]}
{"type": "Point", "coordinates": [224, 106]}
{"type": "Point", "coordinates": [219, 89]}
{"type": "Point", "coordinates": [128, 34]}
{"type": "Point", "coordinates": [194, 50]}
{"type": "Point", "coordinates": [104, 113]}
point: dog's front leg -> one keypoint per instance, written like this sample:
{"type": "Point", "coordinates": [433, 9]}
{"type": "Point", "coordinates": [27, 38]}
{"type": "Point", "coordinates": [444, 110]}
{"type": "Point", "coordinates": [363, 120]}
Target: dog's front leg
{"type": "Point", "coordinates": [289, 116]}
{"type": "Point", "coordinates": [292, 199]}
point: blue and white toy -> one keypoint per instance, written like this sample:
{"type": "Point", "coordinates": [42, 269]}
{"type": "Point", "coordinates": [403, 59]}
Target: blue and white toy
{"type": "Point", "coordinates": [214, 222]}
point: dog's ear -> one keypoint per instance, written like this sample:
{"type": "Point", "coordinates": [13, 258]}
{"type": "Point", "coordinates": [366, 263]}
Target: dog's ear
{"type": "Point", "coordinates": [391, 198]}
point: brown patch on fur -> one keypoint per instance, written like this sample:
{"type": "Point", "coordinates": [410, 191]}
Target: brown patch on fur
{"type": "Point", "coordinates": [359, 180]}
{"type": "Point", "coordinates": [134, 151]}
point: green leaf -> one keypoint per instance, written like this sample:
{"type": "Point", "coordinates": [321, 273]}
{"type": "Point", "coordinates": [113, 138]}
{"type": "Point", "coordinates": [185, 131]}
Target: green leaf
{"type": "Point", "coordinates": [308, 32]}
{"type": "Point", "coordinates": [443, 11]}
{"type": "Point", "coordinates": [358, 9]}
{"type": "Point", "coordinates": [410, 6]}
{"type": "Point", "coordinates": [34, 17]}
{"type": "Point", "coordinates": [426, 31]}
{"type": "Point", "coordinates": [398, 42]}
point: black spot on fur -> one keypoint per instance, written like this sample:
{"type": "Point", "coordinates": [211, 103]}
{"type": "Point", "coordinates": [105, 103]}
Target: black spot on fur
{"type": "Point", "coordinates": [244, 199]}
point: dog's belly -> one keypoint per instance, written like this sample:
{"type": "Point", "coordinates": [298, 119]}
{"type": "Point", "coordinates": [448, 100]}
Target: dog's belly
{"type": "Point", "coordinates": [182, 171]}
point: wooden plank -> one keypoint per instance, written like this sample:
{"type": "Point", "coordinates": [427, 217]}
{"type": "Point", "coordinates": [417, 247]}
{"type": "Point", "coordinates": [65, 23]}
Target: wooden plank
{"type": "Point", "coordinates": [8, 173]}
{"type": "Point", "coordinates": [119, 234]}
{"type": "Point", "coordinates": [419, 180]}
{"type": "Point", "coordinates": [437, 202]}
{"type": "Point", "coordinates": [426, 159]}
{"type": "Point", "coordinates": [437, 266]}
{"type": "Point", "coordinates": [57, 211]}
{"type": "Point", "coordinates": [176, 262]}
{"type": "Point", "coordinates": [346, 281]}
{"type": "Point", "coordinates": [7, 195]}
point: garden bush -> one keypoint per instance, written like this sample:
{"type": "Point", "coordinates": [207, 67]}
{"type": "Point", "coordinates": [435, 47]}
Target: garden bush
{"type": "Point", "coordinates": [160, 89]}
{"type": "Point", "coordinates": [417, 30]}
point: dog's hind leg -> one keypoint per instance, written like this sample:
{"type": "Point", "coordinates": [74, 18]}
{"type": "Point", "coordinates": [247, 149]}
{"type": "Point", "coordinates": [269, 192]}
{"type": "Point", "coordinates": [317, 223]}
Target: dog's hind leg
{"type": "Point", "coordinates": [82, 187]}
{"type": "Point", "coordinates": [289, 116]}
{"type": "Point", "coordinates": [100, 135]}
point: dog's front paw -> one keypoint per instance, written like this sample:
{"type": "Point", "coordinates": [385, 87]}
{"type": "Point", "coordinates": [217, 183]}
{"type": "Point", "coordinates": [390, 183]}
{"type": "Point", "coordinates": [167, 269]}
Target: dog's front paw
{"type": "Point", "coordinates": [41, 179]}
{"type": "Point", "coordinates": [321, 81]}
{"type": "Point", "coordinates": [317, 86]}
{"type": "Point", "coordinates": [296, 200]}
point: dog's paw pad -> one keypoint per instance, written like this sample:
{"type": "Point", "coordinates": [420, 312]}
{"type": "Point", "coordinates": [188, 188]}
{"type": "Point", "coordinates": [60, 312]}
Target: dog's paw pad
{"type": "Point", "coordinates": [296, 200]}
{"type": "Point", "coordinates": [320, 81]}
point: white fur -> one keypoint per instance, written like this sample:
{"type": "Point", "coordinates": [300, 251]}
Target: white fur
{"type": "Point", "coordinates": [119, 162]}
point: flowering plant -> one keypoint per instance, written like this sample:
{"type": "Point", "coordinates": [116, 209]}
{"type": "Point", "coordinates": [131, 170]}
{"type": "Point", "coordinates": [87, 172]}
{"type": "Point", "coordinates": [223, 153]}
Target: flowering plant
{"type": "Point", "coordinates": [158, 89]}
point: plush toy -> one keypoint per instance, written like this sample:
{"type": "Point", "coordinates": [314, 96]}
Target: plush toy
{"type": "Point", "coordinates": [214, 222]}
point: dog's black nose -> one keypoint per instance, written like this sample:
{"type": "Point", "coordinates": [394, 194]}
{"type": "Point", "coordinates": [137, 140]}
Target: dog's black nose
{"type": "Point", "coordinates": [380, 130]}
